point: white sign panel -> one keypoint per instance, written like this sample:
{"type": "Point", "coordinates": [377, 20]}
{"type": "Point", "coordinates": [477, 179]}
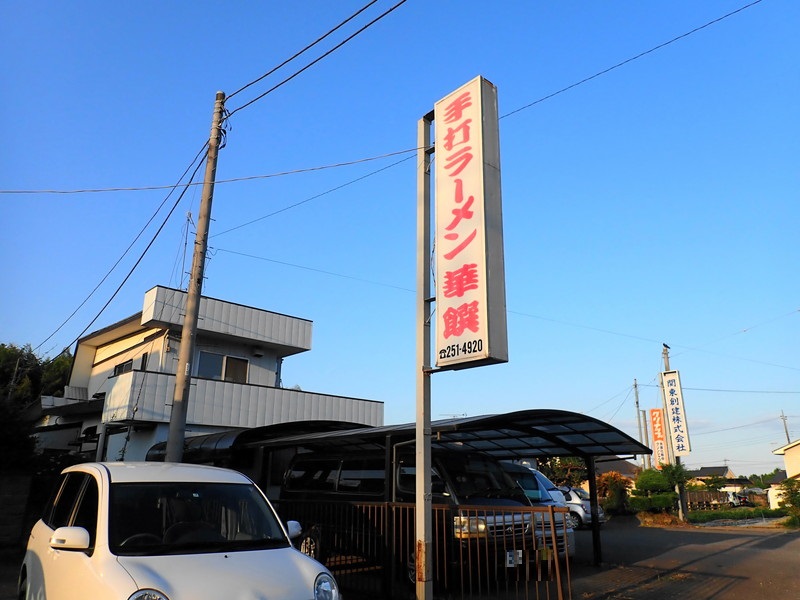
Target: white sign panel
{"type": "Point", "coordinates": [470, 280]}
{"type": "Point", "coordinates": [659, 436]}
{"type": "Point", "coordinates": [675, 414]}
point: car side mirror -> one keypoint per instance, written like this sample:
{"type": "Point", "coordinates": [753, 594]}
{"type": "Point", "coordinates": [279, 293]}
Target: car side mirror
{"type": "Point", "coordinates": [294, 529]}
{"type": "Point", "coordinates": [70, 538]}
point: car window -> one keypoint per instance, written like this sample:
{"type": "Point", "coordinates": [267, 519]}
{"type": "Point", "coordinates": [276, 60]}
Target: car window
{"type": "Point", "coordinates": [189, 518]}
{"type": "Point", "coordinates": [86, 515]}
{"type": "Point", "coordinates": [64, 500]}
{"type": "Point", "coordinates": [362, 476]}
{"type": "Point", "coordinates": [407, 478]}
{"type": "Point", "coordinates": [317, 475]}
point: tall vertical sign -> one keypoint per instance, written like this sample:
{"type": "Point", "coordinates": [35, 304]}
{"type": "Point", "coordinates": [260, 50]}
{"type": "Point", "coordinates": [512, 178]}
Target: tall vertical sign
{"type": "Point", "coordinates": [470, 279]}
{"type": "Point", "coordinates": [660, 454]}
{"type": "Point", "coordinates": [675, 413]}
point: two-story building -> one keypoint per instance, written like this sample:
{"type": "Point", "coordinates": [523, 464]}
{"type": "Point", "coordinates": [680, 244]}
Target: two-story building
{"type": "Point", "coordinates": [119, 398]}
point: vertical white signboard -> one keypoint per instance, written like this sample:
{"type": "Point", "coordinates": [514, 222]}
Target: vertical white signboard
{"type": "Point", "coordinates": [659, 436]}
{"type": "Point", "coordinates": [675, 413]}
{"type": "Point", "coordinates": [470, 280]}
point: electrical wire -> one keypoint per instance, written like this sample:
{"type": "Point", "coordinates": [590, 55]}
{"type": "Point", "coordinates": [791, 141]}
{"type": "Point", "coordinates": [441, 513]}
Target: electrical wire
{"type": "Point", "coordinates": [308, 47]}
{"type": "Point", "coordinates": [139, 260]}
{"type": "Point", "coordinates": [218, 181]}
{"type": "Point", "coordinates": [630, 60]}
{"type": "Point", "coordinates": [296, 204]}
{"type": "Point", "coordinates": [535, 102]}
{"type": "Point", "coordinates": [331, 273]}
{"type": "Point", "coordinates": [135, 239]}
{"type": "Point", "coordinates": [316, 60]}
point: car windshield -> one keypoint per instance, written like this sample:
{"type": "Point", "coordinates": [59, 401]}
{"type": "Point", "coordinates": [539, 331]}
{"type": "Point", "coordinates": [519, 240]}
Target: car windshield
{"type": "Point", "coordinates": [476, 476]}
{"type": "Point", "coordinates": [159, 518]}
{"type": "Point", "coordinates": [582, 494]}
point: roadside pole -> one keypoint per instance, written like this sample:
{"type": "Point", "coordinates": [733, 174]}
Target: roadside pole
{"type": "Point", "coordinates": [679, 490]}
{"type": "Point", "coordinates": [177, 419]}
{"type": "Point", "coordinates": [424, 500]}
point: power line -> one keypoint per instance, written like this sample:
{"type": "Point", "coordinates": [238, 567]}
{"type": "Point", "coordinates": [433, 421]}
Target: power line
{"type": "Point", "coordinates": [733, 391]}
{"type": "Point", "coordinates": [329, 191]}
{"type": "Point", "coordinates": [331, 273]}
{"type": "Point", "coordinates": [219, 181]}
{"type": "Point", "coordinates": [335, 165]}
{"type": "Point", "coordinates": [316, 60]}
{"type": "Point", "coordinates": [630, 60]}
{"type": "Point", "coordinates": [141, 256]}
{"type": "Point", "coordinates": [308, 47]}
{"type": "Point", "coordinates": [135, 239]}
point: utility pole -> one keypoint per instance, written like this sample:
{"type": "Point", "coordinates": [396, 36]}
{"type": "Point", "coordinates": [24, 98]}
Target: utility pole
{"type": "Point", "coordinates": [785, 427]}
{"type": "Point", "coordinates": [638, 415]}
{"type": "Point", "coordinates": [180, 400]}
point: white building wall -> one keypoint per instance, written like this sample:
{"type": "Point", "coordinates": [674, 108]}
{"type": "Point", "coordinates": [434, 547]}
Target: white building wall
{"type": "Point", "coordinates": [148, 397]}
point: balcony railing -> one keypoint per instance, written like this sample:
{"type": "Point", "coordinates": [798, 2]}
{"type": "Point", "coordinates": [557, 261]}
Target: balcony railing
{"type": "Point", "coordinates": [143, 396]}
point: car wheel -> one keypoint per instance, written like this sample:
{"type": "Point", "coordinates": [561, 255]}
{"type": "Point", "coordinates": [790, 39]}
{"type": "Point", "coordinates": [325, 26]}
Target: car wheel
{"type": "Point", "coordinates": [575, 520]}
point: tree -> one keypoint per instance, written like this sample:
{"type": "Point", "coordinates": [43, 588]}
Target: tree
{"type": "Point", "coordinates": [613, 488]}
{"type": "Point", "coordinates": [24, 377]}
{"type": "Point", "coordinates": [652, 481]}
{"type": "Point", "coordinates": [564, 470]}
{"type": "Point", "coordinates": [791, 499]}
{"type": "Point", "coordinates": [714, 483]}
{"type": "Point", "coordinates": [763, 481]}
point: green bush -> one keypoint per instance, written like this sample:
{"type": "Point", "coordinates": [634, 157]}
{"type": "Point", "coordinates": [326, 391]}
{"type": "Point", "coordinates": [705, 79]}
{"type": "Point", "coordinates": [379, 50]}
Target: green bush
{"type": "Point", "coordinates": [736, 514]}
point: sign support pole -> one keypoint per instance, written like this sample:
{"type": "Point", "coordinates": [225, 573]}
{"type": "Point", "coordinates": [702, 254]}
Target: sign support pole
{"type": "Point", "coordinates": [424, 501]}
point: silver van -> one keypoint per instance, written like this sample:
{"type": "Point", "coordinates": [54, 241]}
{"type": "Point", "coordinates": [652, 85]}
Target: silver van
{"type": "Point", "coordinates": [538, 490]}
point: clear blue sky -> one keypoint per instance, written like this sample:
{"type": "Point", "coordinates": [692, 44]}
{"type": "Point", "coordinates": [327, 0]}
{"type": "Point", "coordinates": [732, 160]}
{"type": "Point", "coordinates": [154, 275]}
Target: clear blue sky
{"type": "Point", "coordinates": [655, 203]}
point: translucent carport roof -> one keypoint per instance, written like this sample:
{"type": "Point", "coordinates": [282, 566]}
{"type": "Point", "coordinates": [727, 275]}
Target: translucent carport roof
{"type": "Point", "coordinates": [522, 434]}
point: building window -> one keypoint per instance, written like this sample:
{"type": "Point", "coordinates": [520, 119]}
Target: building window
{"type": "Point", "coordinates": [235, 369]}
{"type": "Point", "coordinates": [123, 368]}
{"type": "Point", "coordinates": [222, 368]}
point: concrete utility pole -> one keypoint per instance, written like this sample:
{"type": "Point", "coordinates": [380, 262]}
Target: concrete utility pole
{"type": "Point", "coordinates": [638, 415]}
{"type": "Point", "coordinates": [180, 400]}
{"type": "Point", "coordinates": [785, 427]}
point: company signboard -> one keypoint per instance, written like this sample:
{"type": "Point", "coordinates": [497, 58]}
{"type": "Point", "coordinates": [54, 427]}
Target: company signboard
{"type": "Point", "coordinates": [659, 437]}
{"type": "Point", "coordinates": [470, 280]}
{"type": "Point", "coordinates": [675, 413]}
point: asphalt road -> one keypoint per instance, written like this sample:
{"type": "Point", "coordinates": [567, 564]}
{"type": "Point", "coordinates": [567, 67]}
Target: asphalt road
{"type": "Point", "coordinates": [691, 563]}
{"type": "Point", "coordinates": [653, 563]}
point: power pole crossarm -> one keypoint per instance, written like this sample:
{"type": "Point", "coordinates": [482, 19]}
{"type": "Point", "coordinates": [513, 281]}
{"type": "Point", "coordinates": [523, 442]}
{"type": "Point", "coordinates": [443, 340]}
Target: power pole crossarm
{"type": "Point", "coordinates": [177, 420]}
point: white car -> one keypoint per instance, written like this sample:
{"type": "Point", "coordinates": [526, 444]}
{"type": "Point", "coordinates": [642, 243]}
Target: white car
{"type": "Point", "coordinates": [165, 531]}
{"type": "Point", "coordinates": [580, 507]}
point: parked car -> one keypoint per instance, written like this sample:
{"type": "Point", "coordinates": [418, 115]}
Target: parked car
{"type": "Point", "coordinates": [537, 489]}
{"type": "Point", "coordinates": [580, 507]}
{"type": "Point", "coordinates": [161, 531]}
{"type": "Point", "coordinates": [739, 499]}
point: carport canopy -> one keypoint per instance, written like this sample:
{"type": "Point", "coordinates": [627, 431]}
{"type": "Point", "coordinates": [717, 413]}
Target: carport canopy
{"type": "Point", "coordinates": [526, 434]}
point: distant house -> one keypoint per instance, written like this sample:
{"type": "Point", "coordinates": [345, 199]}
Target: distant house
{"type": "Point", "coordinates": [732, 485]}
{"type": "Point", "coordinates": [791, 460]}
{"type": "Point", "coordinates": [607, 464]}
{"type": "Point", "coordinates": [119, 398]}
{"type": "Point", "coordinates": [703, 474]}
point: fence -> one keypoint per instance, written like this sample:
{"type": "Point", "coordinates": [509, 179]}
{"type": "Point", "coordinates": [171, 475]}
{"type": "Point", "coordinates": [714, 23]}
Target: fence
{"type": "Point", "coordinates": [477, 551]}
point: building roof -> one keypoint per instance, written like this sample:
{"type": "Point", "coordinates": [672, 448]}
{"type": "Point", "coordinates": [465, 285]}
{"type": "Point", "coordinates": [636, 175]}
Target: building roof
{"type": "Point", "coordinates": [522, 434]}
{"type": "Point", "coordinates": [782, 450]}
{"type": "Point", "coordinates": [704, 472]}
